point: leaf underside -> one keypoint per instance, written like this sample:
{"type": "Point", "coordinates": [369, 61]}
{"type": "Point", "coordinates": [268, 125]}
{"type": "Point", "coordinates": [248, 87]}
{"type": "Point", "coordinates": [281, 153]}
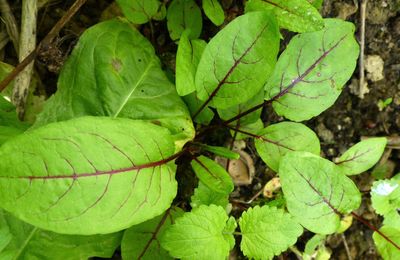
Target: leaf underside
{"type": "Point", "coordinates": [88, 175]}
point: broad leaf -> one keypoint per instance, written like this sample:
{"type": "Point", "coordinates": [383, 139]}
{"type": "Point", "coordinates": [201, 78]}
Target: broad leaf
{"type": "Point", "coordinates": [267, 231]}
{"type": "Point", "coordinates": [214, 11]}
{"type": "Point", "coordinates": [278, 139]}
{"type": "Point", "coordinates": [206, 196]}
{"type": "Point", "coordinates": [311, 72]}
{"type": "Point", "coordinates": [294, 15]}
{"type": "Point", "coordinates": [184, 15]}
{"type": "Point", "coordinates": [142, 241]}
{"type": "Point", "coordinates": [113, 71]}
{"type": "Point", "coordinates": [385, 196]}
{"type": "Point", "coordinates": [238, 60]}
{"type": "Point", "coordinates": [316, 194]}
{"type": "Point", "coordinates": [204, 233]}
{"type": "Point", "coordinates": [194, 104]}
{"type": "Point", "coordinates": [314, 243]}
{"type": "Point", "coordinates": [387, 250]}
{"type": "Point", "coordinates": [88, 175]}
{"type": "Point", "coordinates": [212, 174]}
{"type": "Point", "coordinates": [139, 11]}
{"type": "Point", "coordinates": [29, 242]}
{"type": "Point", "coordinates": [187, 58]}
{"type": "Point", "coordinates": [9, 124]}
{"type": "Point", "coordinates": [316, 3]}
{"type": "Point", "coordinates": [362, 156]}
{"type": "Point", "coordinates": [250, 118]}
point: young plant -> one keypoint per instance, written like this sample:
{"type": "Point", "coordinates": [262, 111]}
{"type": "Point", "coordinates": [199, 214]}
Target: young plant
{"type": "Point", "coordinates": [99, 163]}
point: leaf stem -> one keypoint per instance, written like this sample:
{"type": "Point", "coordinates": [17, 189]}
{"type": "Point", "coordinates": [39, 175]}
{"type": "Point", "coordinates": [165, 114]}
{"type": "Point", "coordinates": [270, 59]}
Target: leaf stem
{"type": "Point", "coordinates": [375, 229]}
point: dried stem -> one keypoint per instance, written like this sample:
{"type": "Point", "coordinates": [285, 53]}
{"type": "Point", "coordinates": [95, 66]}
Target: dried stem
{"type": "Point", "coordinates": [47, 40]}
{"type": "Point", "coordinates": [10, 22]}
{"type": "Point", "coordinates": [362, 85]}
{"type": "Point", "coordinates": [27, 44]}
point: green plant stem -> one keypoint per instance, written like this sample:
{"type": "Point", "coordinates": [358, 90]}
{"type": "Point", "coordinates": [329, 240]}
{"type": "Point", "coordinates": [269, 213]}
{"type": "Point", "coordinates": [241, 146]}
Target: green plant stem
{"type": "Point", "coordinates": [375, 229]}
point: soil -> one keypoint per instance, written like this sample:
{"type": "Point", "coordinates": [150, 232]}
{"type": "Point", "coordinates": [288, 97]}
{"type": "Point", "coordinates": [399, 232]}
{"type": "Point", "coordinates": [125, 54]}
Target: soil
{"type": "Point", "coordinates": [341, 126]}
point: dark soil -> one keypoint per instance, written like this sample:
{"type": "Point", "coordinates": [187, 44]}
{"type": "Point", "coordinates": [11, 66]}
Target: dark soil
{"type": "Point", "coordinates": [338, 128]}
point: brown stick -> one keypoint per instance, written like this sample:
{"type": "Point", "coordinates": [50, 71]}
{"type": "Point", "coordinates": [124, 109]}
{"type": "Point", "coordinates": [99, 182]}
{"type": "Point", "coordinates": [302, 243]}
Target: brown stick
{"type": "Point", "coordinates": [46, 40]}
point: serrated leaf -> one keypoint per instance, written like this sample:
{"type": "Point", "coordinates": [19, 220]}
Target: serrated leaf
{"type": "Point", "coordinates": [29, 242]}
{"type": "Point", "coordinates": [214, 11]}
{"type": "Point", "coordinates": [139, 11]}
{"type": "Point", "coordinates": [294, 15]}
{"type": "Point", "coordinates": [114, 61]}
{"type": "Point", "coordinates": [387, 250]}
{"type": "Point", "coordinates": [206, 196]}
{"type": "Point", "coordinates": [212, 174]}
{"type": "Point", "coordinates": [89, 175]}
{"type": "Point", "coordinates": [142, 241]}
{"type": "Point", "coordinates": [312, 70]}
{"type": "Point", "coordinates": [187, 58]}
{"type": "Point", "coordinates": [184, 15]}
{"type": "Point", "coordinates": [278, 139]}
{"type": "Point", "coordinates": [238, 60]}
{"type": "Point", "coordinates": [194, 104]}
{"type": "Point", "coordinates": [250, 118]}
{"type": "Point", "coordinates": [204, 233]}
{"type": "Point", "coordinates": [362, 156]}
{"type": "Point", "coordinates": [267, 231]}
{"type": "Point", "coordinates": [316, 194]}
{"type": "Point", "coordinates": [385, 196]}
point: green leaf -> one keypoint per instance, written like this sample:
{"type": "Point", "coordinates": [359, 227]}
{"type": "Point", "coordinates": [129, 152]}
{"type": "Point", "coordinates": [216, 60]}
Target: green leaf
{"type": "Point", "coordinates": [251, 128]}
{"type": "Point", "coordinates": [221, 151]}
{"type": "Point", "coordinates": [139, 11]}
{"type": "Point", "coordinates": [311, 72]}
{"type": "Point", "coordinates": [392, 219]}
{"type": "Point", "coordinates": [294, 15]}
{"type": "Point", "coordinates": [238, 60]}
{"type": "Point", "coordinates": [250, 118]}
{"type": "Point", "coordinates": [206, 196]}
{"type": "Point", "coordinates": [362, 156]}
{"type": "Point", "coordinates": [267, 231]}
{"type": "Point", "coordinates": [90, 175]}
{"type": "Point", "coordinates": [10, 125]}
{"type": "Point", "coordinates": [278, 139]}
{"type": "Point", "coordinates": [386, 249]}
{"type": "Point", "coordinates": [113, 71]}
{"type": "Point", "coordinates": [184, 15]}
{"type": "Point", "coordinates": [212, 174]}
{"type": "Point", "coordinates": [187, 59]}
{"type": "Point", "coordinates": [316, 3]}
{"type": "Point", "coordinates": [194, 104]}
{"type": "Point", "coordinates": [214, 11]}
{"type": "Point", "coordinates": [385, 196]}
{"type": "Point", "coordinates": [316, 194]}
{"type": "Point", "coordinates": [314, 243]}
{"type": "Point", "coordinates": [29, 242]}
{"type": "Point", "coordinates": [205, 233]}
{"type": "Point", "coordinates": [142, 241]}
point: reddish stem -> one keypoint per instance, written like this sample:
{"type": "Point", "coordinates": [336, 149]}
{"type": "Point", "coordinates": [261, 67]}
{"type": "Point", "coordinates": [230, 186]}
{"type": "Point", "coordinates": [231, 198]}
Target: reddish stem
{"type": "Point", "coordinates": [370, 226]}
